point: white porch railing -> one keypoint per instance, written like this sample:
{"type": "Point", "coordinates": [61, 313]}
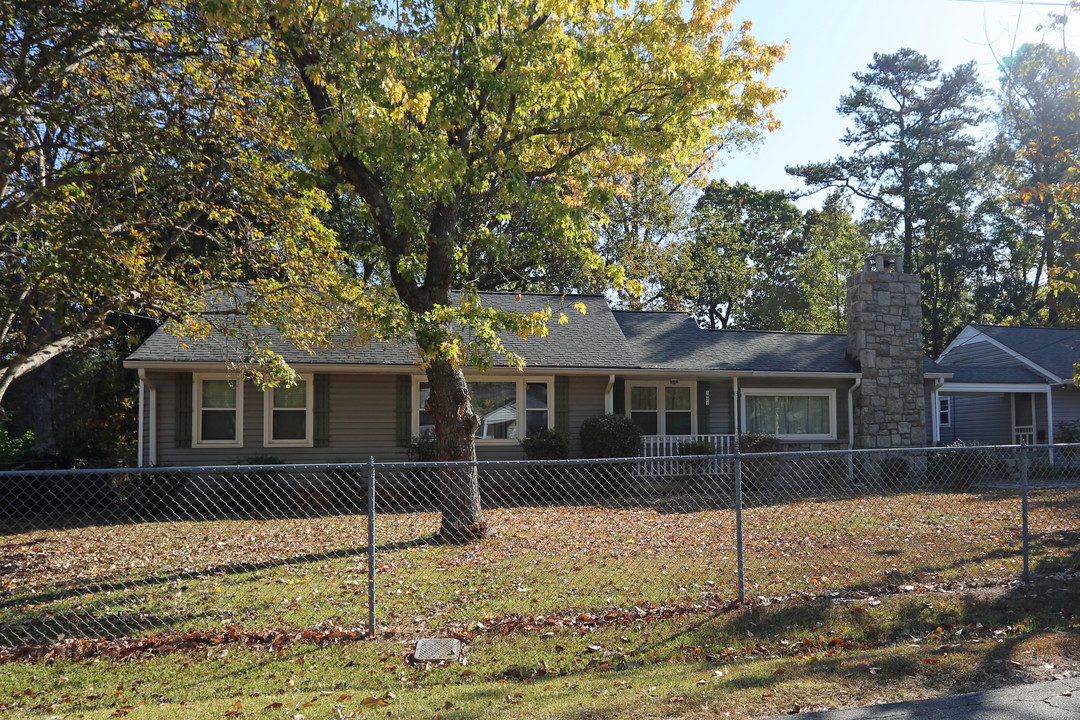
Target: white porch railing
{"type": "Point", "coordinates": [1024, 434]}
{"type": "Point", "coordinates": [656, 446]}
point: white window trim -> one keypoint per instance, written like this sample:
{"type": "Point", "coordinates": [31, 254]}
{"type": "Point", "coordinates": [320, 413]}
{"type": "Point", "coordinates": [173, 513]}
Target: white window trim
{"type": "Point", "coordinates": [196, 415]}
{"type": "Point", "coordinates": [946, 402]}
{"type": "Point", "coordinates": [819, 392]}
{"type": "Point", "coordinates": [661, 424]}
{"type": "Point", "coordinates": [268, 418]}
{"type": "Point", "coordinates": [519, 383]}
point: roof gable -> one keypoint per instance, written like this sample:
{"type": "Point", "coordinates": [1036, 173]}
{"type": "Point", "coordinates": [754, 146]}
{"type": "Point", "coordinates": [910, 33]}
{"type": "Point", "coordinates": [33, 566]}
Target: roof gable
{"type": "Point", "coordinates": [1053, 350]}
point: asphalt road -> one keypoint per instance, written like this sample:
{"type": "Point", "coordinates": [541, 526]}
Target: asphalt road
{"type": "Point", "coordinates": [1055, 700]}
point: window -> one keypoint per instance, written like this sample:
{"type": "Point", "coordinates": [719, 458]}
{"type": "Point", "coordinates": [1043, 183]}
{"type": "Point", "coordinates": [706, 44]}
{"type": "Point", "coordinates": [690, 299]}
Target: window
{"type": "Point", "coordinates": [287, 415]}
{"type": "Point", "coordinates": [790, 414]}
{"type": "Point", "coordinates": [944, 410]}
{"type": "Point", "coordinates": [509, 409]}
{"type": "Point", "coordinates": [660, 408]}
{"type": "Point", "coordinates": [217, 417]}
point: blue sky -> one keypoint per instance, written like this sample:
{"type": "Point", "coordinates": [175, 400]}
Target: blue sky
{"type": "Point", "coordinates": [831, 39]}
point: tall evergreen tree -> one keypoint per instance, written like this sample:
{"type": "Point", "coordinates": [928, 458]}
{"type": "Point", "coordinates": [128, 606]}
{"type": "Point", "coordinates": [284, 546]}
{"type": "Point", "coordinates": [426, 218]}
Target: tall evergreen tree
{"type": "Point", "coordinates": [913, 160]}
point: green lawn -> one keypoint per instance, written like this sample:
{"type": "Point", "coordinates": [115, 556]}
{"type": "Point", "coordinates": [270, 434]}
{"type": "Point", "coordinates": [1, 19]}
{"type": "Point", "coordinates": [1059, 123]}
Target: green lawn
{"type": "Point", "coordinates": [596, 611]}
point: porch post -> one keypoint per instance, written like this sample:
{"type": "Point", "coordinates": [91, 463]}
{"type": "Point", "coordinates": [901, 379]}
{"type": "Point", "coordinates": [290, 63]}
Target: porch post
{"type": "Point", "coordinates": [1034, 421]}
{"type": "Point", "coordinates": [935, 411]}
{"type": "Point", "coordinates": [1012, 422]}
{"type": "Point", "coordinates": [1050, 420]}
{"type": "Point", "coordinates": [735, 399]}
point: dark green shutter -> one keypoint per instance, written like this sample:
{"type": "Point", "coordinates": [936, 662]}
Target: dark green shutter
{"type": "Point", "coordinates": [183, 410]}
{"type": "Point", "coordinates": [562, 406]}
{"type": "Point", "coordinates": [404, 410]}
{"type": "Point", "coordinates": [702, 407]}
{"type": "Point", "coordinates": [321, 405]}
{"type": "Point", "coordinates": [618, 400]}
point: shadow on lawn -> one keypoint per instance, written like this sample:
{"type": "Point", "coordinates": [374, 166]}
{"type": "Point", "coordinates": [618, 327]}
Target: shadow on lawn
{"type": "Point", "coordinates": [135, 622]}
{"type": "Point", "coordinates": [1048, 601]}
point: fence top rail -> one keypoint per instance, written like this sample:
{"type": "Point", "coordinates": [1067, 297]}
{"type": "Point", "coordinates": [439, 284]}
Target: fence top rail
{"type": "Point", "coordinates": [409, 464]}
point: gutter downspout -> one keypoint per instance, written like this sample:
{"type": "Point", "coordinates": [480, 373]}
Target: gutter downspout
{"type": "Point", "coordinates": [851, 412]}
{"type": "Point", "coordinates": [152, 443]}
{"type": "Point", "coordinates": [609, 399]}
{"type": "Point", "coordinates": [935, 411]}
{"type": "Point", "coordinates": [139, 432]}
{"type": "Point", "coordinates": [851, 428]}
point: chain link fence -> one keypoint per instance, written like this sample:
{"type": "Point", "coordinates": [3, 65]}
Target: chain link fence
{"type": "Point", "coordinates": [350, 549]}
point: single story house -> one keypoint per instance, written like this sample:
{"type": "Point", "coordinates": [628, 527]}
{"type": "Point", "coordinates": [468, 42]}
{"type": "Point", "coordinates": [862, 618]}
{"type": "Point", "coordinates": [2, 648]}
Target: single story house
{"type": "Point", "coordinates": [1009, 385]}
{"type": "Point", "coordinates": [872, 387]}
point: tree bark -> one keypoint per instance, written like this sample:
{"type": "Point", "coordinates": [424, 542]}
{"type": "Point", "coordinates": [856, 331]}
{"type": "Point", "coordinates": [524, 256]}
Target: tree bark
{"type": "Point", "coordinates": [455, 426]}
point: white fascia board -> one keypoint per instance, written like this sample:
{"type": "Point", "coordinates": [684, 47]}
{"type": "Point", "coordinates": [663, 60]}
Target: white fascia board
{"type": "Point", "coordinates": [993, 388]}
{"type": "Point", "coordinates": [966, 335]}
{"type": "Point", "coordinates": [796, 375]}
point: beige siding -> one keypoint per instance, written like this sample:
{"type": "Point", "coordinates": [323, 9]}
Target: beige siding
{"type": "Point", "coordinates": [586, 401]}
{"type": "Point", "coordinates": [362, 424]}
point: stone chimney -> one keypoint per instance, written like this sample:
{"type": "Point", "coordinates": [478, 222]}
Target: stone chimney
{"type": "Point", "coordinates": [884, 336]}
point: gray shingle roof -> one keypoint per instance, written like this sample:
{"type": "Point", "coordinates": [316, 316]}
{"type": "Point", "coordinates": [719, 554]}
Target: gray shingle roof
{"type": "Point", "coordinates": [673, 341]}
{"type": "Point", "coordinates": [1055, 349]}
{"type": "Point", "coordinates": [600, 339]}
{"type": "Point", "coordinates": [593, 340]}
{"type": "Point", "coordinates": [1009, 374]}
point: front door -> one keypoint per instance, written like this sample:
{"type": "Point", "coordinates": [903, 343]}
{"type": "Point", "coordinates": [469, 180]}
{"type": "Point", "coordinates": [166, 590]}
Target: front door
{"type": "Point", "coordinates": [1024, 418]}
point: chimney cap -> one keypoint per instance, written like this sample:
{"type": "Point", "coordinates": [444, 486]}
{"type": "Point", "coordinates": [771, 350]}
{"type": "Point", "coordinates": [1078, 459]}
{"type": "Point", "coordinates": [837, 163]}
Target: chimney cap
{"type": "Point", "coordinates": [885, 262]}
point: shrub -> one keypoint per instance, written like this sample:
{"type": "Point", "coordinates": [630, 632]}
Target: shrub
{"type": "Point", "coordinates": [422, 484]}
{"type": "Point", "coordinates": [610, 436]}
{"type": "Point", "coordinates": [148, 493]}
{"type": "Point", "coordinates": [757, 471]}
{"type": "Point", "coordinates": [545, 481]}
{"type": "Point", "coordinates": [699, 447]}
{"type": "Point", "coordinates": [960, 468]}
{"type": "Point", "coordinates": [15, 448]}
{"type": "Point", "coordinates": [546, 445]}
{"type": "Point", "coordinates": [257, 490]}
{"type": "Point", "coordinates": [760, 443]}
{"type": "Point", "coordinates": [894, 472]}
{"type": "Point", "coordinates": [1068, 432]}
{"type": "Point", "coordinates": [423, 447]}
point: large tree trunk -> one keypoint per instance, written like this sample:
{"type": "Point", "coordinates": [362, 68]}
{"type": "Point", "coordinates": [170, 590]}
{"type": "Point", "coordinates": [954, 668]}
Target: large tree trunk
{"type": "Point", "coordinates": [39, 406]}
{"type": "Point", "coordinates": [455, 427]}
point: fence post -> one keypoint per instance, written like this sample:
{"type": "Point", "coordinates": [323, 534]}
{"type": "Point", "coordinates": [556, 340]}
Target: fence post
{"type": "Point", "coordinates": [1024, 508]}
{"type": "Point", "coordinates": [371, 546]}
{"type": "Point", "coordinates": [738, 522]}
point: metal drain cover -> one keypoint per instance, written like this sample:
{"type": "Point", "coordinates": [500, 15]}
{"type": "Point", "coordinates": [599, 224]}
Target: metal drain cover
{"type": "Point", "coordinates": [437, 650]}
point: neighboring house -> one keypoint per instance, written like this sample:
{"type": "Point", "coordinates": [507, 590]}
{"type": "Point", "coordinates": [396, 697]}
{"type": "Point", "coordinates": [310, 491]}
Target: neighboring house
{"type": "Point", "coordinates": [1009, 385]}
{"type": "Point", "coordinates": [869, 388]}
